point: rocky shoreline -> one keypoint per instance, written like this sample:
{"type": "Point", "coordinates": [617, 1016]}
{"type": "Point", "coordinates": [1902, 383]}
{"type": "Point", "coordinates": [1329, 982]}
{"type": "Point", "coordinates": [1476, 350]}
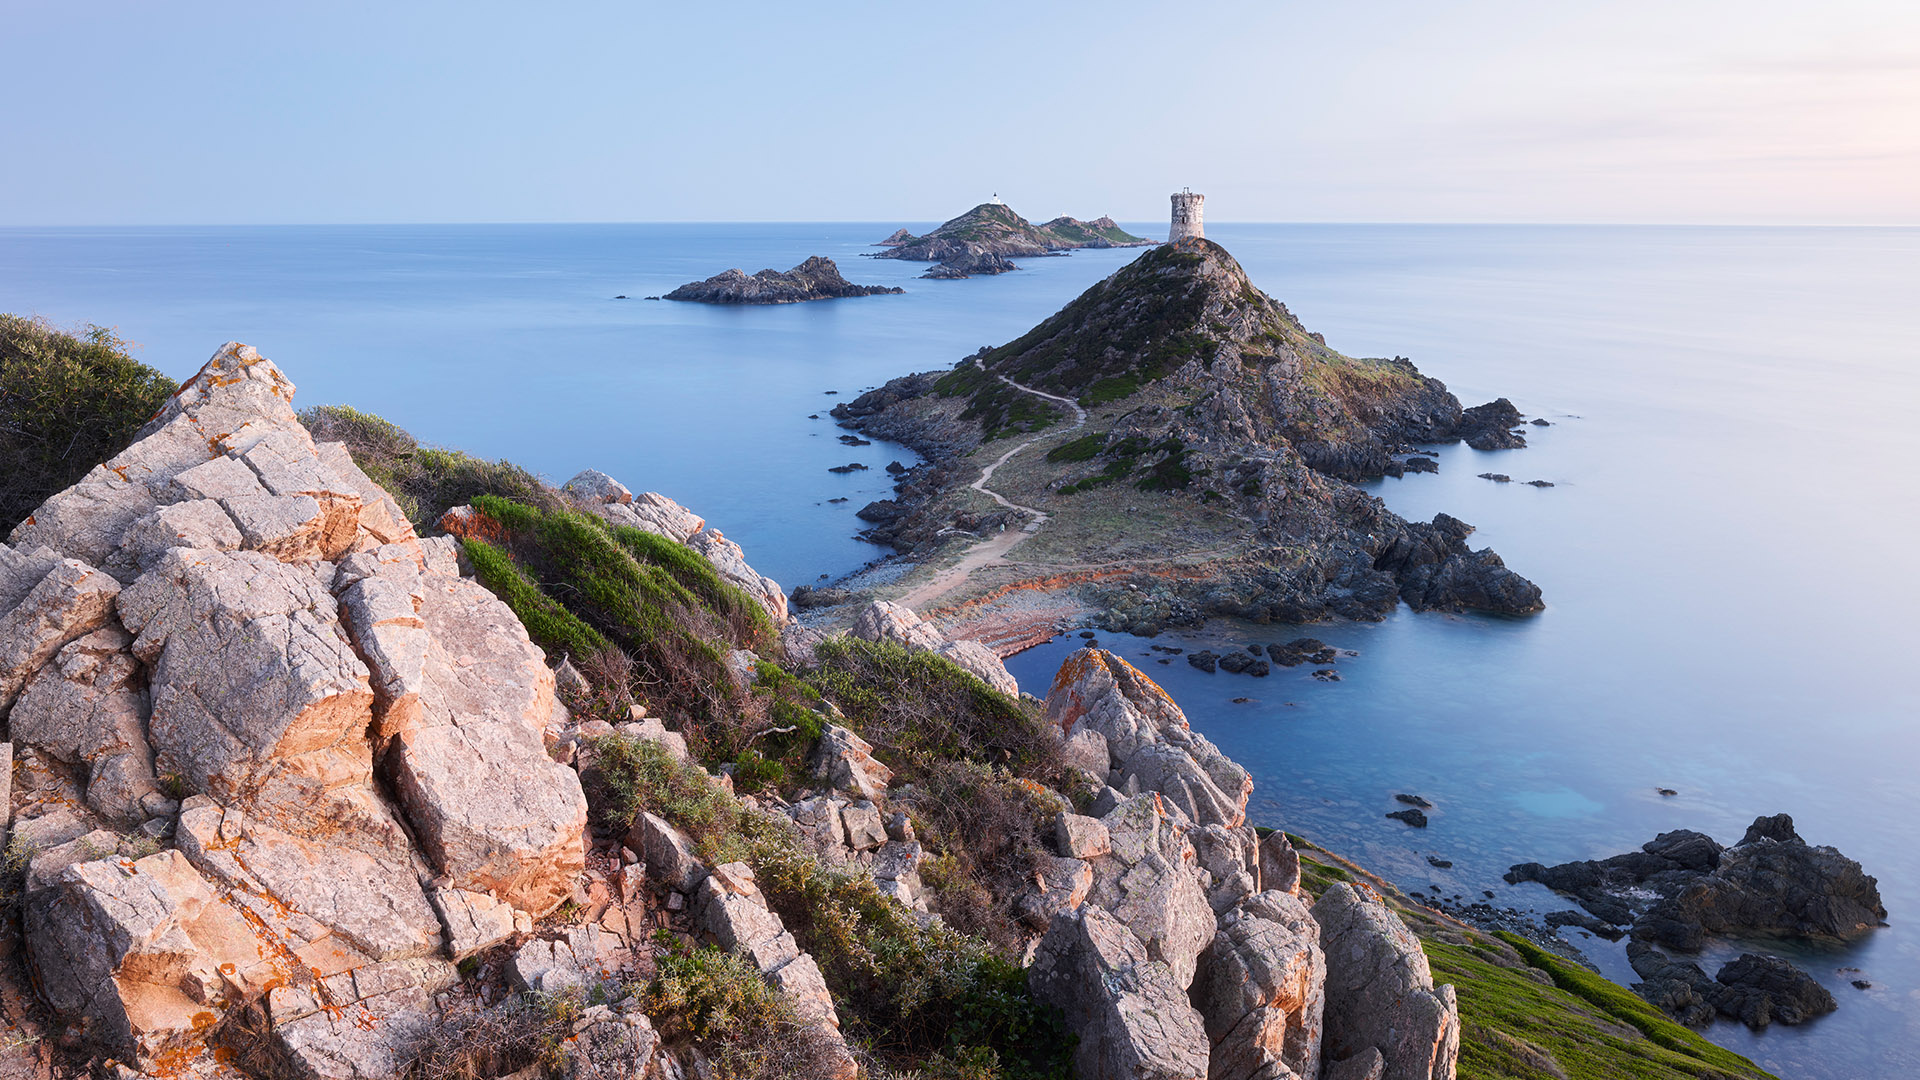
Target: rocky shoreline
{"type": "Point", "coordinates": [1682, 889]}
{"type": "Point", "coordinates": [817, 278]}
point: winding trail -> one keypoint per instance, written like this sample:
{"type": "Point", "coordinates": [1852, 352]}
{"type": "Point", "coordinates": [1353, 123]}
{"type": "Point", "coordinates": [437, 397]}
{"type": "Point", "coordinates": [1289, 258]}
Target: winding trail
{"type": "Point", "coordinates": [994, 548]}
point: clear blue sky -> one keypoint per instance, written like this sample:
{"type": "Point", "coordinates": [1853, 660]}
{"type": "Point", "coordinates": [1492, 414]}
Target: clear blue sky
{"type": "Point", "coordinates": [1390, 110]}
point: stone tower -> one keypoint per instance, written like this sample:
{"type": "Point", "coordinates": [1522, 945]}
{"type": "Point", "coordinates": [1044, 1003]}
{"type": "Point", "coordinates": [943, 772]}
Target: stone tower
{"type": "Point", "coordinates": [1186, 217]}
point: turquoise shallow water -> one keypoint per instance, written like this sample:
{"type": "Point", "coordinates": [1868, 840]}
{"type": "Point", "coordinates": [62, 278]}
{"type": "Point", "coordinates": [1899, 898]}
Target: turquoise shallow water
{"type": "Point", "coordinates": [1725, 555]}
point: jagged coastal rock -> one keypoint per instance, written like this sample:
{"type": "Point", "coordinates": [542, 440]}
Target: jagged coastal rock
{"type": "Point", "coordinates": [815, 279]}
{"type": "Point", "coordinates": [993, 229]}
{"type": "Point", "coordinates": [1682, 888]}
{"type": "Point", "coordinates": [971, 263]}
{"type": "Point", "coordinates": [1177, 398]}
{"type": "Point", "coordinates": [228, 612]}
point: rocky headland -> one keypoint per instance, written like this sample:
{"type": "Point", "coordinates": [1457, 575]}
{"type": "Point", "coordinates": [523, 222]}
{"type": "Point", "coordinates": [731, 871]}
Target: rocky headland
{"type": "Point", "coordinates": [451, 773]}
{"type": "Point", "coordinates": [985, 237]}
{"type": "Point", "coordinates": [1169, 446]}
{"type": "Point", "coordinates": [817, 278]}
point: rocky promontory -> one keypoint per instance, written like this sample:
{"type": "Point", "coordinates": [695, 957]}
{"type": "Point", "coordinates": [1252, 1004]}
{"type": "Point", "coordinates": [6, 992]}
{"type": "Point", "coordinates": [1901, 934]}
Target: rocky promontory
{"type": "Point", "coordinates": [1195, 450]}
{"type": "Point", "coordinates": [995, 229]}
{"type": "Point", "coordinates": [816, 279]}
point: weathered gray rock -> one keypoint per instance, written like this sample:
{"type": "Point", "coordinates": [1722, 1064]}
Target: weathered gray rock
{"type": "Point", "coordinates": [45, 602]}
{"type": "Point", "coordinates": [89, 707]}
{"type": "Point", "coordinates": [1260, 989]}
{"type": "Point", "coordinates": [1061, 884]}
{"type": "Point", "coordinates": [199, 523]}
{"type": "Point", "coordinates": [382, 617]}
{"type": "Point", "coordinates": [594, 486]}
{"type": "Point", "coordinates": [1152, 883]}
{"type": "Point", "coordinates": [1230, 857]}
{"type": "Point", "coordinates": [983, 663]}
{"type": "Point", "coordinates": [1379, 990]}
{"type": "Point", "coordinates": [288, 465]}
{"type": "Point", "coordinates": [474, 922]}
{"type": "Point", "coordinates": [1129, 1010]}
{"type": "Point", "coordinates": [846, 761]}
{"type": "Point", "coordinates": [896, 869]}
{"type": "Point", "coordinates": [1148, 739]}
{"type": "Point", "coordinates": [883, 620]}
{"type": "Point", "coordinates": [492, 811]}
{"type": "Point", "coordinates": [1080, 837]}
{"type": "Point", "coordinates": [143, 951]}
{"type": "Point", "coordinates": [370, 1038]}
{"type": "Point", "coordinates": [1365, 1065]}
{"type": "Point", "coordinates": [655, 513]}
{"type": "Point", "coordinates": [1279, 863]}
{"type": "Point", "coordinates": [291, 528]}
{"type": "Point", "coordinates": [251, 675]}
{"type": "Point", "coordinates": [865, 830]}
{"type": "Point", "coordinates": [669, 853]}
{"type": "Point", "coordinates": [373, 904]}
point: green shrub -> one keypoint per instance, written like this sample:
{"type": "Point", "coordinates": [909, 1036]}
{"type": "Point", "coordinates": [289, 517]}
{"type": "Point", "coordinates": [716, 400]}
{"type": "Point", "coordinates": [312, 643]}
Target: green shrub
{"type": "Point", "coordinates": [67, 403]}
{"type": "Point", "coordinates": [910, 990]}
{"type": "Point", "coordinates": [632, 776]}
{"type": "Point", "coordinates": [1083, 448]}
{"type": "Point", "coordinates": [661, 604]}
{"type": "Point", "coordinates": [989, 828]}
{"type": "Point", "coordinates": [426, 481]}
{"type": "Point", "coordinates": [747, 1029]}
{"type": "Point", "coordinates": [551, 626]}
{"type": "Point", "coordinates": [920, 709]}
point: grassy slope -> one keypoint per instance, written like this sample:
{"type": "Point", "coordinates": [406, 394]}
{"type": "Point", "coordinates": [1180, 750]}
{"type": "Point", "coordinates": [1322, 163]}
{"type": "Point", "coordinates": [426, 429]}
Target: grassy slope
{"type": "Point", "coordinates": [1526, 1014]}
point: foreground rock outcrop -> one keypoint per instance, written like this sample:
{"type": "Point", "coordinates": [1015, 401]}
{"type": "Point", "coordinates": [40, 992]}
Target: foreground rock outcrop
{"type": "Point", "coordinates": [815, 279]}
{"type": "Point", "coordinates": [230, 614]}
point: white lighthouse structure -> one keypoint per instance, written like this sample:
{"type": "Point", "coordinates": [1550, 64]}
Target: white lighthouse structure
{"type": "Point", "coordinates": [1187, 223]}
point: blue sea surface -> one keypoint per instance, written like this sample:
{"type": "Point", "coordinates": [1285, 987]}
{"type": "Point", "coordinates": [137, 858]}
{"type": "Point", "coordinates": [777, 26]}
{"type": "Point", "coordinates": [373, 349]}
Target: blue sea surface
{"type": "Point", "coordinates": [1726, 553]}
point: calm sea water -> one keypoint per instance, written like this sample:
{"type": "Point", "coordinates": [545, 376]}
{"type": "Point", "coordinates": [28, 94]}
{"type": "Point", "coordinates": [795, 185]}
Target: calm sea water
{"type": "Point", "coordinates": [1725, 553]}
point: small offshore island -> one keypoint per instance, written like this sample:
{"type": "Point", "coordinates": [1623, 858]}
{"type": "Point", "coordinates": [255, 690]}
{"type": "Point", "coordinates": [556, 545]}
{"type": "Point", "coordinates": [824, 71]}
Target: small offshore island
{"type": "Point", "coordinates": [816, 279]}
{"type": "Point", "coordinates": [984, 240]}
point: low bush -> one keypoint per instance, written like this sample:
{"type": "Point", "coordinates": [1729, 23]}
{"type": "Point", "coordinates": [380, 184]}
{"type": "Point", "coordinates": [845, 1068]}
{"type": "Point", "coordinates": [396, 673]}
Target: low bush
{"type": "Point", "coordinates": [920, 710]}
{"type": "Point", "coordinates": [67, 403]}
{"type": "Point", "coordinates": [469, 1040]}
{"type": "Point", "coordinates": [911, 990]}
{"type": "Point", "coordinates": [989, 828]}
{"type": "Point", "coordinates": [747, 1029]}
{"type": "Point", "coordinates": [661, 604]}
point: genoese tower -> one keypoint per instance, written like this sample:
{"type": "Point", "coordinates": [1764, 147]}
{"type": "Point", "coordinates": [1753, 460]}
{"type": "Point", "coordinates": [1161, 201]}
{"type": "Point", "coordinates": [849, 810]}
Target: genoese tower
{"type": "Point", "coordinates": [1186, 217]}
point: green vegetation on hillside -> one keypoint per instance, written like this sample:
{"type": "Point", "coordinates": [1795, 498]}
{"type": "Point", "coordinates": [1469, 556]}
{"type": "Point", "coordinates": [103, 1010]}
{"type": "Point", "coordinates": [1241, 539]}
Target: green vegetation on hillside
{"type": "Point", "coordinates": [67, 403]}
{"type": "Point", "coordinates": [1125, 332]}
